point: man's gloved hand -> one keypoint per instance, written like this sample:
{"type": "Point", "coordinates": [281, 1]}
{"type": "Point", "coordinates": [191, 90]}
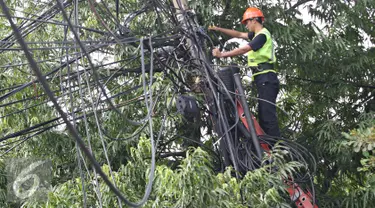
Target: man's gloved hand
{"type": "Point", "coordinates": [213, 27]}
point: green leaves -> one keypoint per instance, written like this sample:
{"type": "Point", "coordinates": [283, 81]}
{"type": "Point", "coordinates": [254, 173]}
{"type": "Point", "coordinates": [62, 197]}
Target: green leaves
{"type": "Point", "coordinates": [361, 139]}
{"type": "Point", "coordinates": [325, 67]}
{"type": "Point", "coordinates": [192, 184]}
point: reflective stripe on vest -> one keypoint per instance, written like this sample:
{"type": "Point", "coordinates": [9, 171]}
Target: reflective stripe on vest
{"type": "Point", "coordinates": [262, 72]}
{"type": "Point", "coordinates": [266, 54]}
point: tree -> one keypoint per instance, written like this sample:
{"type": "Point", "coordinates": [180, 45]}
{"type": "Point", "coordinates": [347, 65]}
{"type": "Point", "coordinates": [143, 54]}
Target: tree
{"type": "Point", "coordinates": [327, 91]}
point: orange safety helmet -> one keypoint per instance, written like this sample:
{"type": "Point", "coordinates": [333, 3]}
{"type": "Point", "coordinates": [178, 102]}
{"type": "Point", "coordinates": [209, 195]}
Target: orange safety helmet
{"type": "Point", "coordinates": [252, 12]}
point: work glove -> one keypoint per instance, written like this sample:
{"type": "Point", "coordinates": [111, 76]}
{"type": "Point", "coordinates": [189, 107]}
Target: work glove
{"type": "Point", "coordinates": [212, 27]}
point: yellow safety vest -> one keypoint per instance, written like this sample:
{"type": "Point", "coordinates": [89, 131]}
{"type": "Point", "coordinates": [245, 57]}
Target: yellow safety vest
{"type": "Point", "coordinates": [266, 54]}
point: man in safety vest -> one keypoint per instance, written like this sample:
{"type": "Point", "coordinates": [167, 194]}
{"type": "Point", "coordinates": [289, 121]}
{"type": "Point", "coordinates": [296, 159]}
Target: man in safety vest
{"type": "Point", "coordinates": [261, 59]}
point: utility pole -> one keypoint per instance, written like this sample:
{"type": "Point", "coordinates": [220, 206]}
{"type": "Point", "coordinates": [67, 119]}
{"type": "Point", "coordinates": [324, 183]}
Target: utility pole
{"type": "Point", "coordinates": [210, 92]}
{"type": "Point", "coordinates": [187, 20]}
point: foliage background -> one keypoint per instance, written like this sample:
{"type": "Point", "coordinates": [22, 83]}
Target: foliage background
{"type": "Point", "coordinates": [327, 71]}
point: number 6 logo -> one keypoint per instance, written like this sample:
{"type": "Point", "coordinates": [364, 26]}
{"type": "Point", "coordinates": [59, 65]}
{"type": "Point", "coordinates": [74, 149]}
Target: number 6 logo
{"type": "Point", "coordinates": [24, 176]}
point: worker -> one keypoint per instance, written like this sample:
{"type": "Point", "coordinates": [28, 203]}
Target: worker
{"type": "Point", "coordinates": [261, 60]}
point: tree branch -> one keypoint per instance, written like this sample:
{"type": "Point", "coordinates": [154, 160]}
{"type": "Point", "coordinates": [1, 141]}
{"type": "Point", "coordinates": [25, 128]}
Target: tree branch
{"type": "Point", "coordinates": [172, 154]}
{"type": "Point", "coordinates": [297, 5]}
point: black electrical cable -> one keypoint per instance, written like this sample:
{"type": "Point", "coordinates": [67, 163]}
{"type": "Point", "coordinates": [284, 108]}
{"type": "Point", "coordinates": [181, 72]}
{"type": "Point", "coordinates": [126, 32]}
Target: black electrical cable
{"type": "Point", "coordinates": [24, 140]}
{"type": "Point", "coordinates": [27, 130]}
{"type": "Point", "coordinates": [208, 71]}
{"type": "Point", "coordinates": [48, 14]}
{"type": "Point", "coordinates": [60, 96]}
{"type": "Point", "coordinates": [48, 74]}
{"type": "Point", "coordinates": [115, 75]}
{"type": "Point", "coordinates": [92, 66]}
{"type": "Point", "coordinates": [297, 155]}
{"type": "Point", "coordinates": [117, 8]}
{"type": "Point", "coordinates": [72, 130]}
{"type": "Point", "coordinates": [108, 12]}
{"type": "Point", "coordinates": [38, 126]}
